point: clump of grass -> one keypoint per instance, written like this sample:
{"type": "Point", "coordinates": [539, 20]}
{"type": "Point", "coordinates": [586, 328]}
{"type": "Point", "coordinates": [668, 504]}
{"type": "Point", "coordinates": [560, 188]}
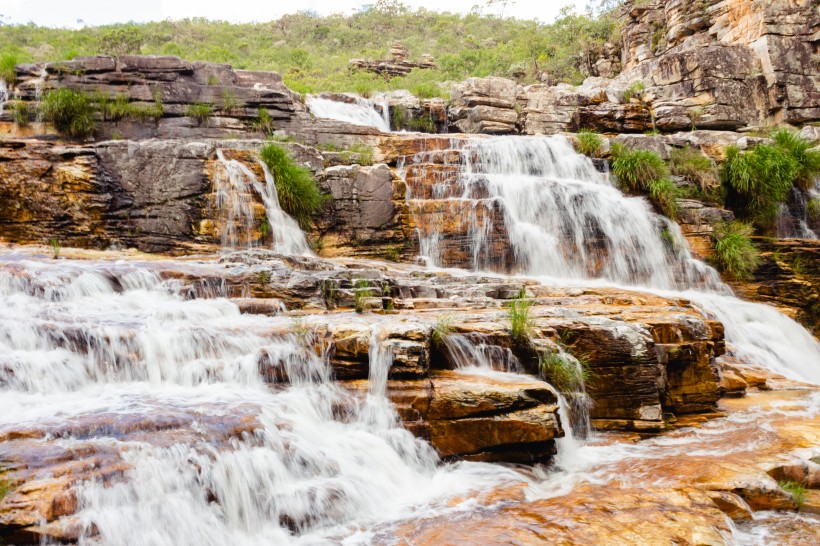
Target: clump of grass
{"type": "Point", "coordinates": [200, 111]}
{"type": "Point", "coordinates": [759, 180]}
{"type": "Point", "coordinates": [426, 90]}
{"type": "Point", "coordinates": [813, 209]}
{"type": "Point", "coordinates": [398, 116]}
{"type": "Point", "coordinates": [801, 151]}
{"type": "Point", "coordinates": [796, 489]}
{"type": "Point", "coordinates": [329, 293]}
{"type": "Point", "coordinates": [735, 255]}
{"type": "Point", "coordinates": [22, 114]}
{"type": "Point", "coordinates": [71, 112]}
{"type": "Point", "coordinates": [7, 63]}
{"type": "Point", "coordinates": [422, 124]}
{"type": "Point", "coordinates": [55, 246]}
{"type": "Point", "coordinates": [519, 317]}
{"type": "Point", "coordinates": [361, 290]}
{"type": "Point", "coordinates": [634, 91]}
{"type": "Point", "coordinates": [365, 155]}
{"type": "Point", "coordinates": [393, 254]}
{"type": "Point", "coordinates": [228, 101]}
{"type": "Point", "coordinates": [563, 371]}
{"type": "Point", "coordinates": [589, 143]}
{"type": "Point", "coordinates": [298, 191]}
{"type": "Point", "coordinates": [442, 329]}
{"type": "Point", "coordinates": [643, 171]}
{"type": "Point", "coordinates": [694, 166]}
{"type": "Point", "coordinates": [264, 122]}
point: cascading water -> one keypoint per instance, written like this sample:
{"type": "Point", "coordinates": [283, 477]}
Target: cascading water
{"type": "Point", "coordinates": [111, 359]}
{"type": "Point", "coordinates": [565, 220]}
{"type": "Point", "coordinates": [4, 94]}
{"type": "Point", "coordinates": [233, 184]}
{"type": "Point", "coordinates": [360, 111]}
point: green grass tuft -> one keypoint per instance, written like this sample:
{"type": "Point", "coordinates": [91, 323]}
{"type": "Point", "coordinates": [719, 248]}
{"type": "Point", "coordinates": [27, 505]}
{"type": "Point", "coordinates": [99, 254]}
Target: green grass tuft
{"type": "Point", "coordinates": [801, 151]}
{"type": "Point", "coordinates": [735, 255]}
{"type": "Point", "coordinates": [695, 167]}
{"type": "Point", "coordinates": [796, 489]}
{"type": "Point", "coordinates": [643, 171]}
{"type": "Point", "coordinates": [71, 112]}
{"type": "Point", "coordinates": [519, 317]}
{"type": "Point", "coordinates": [7, 63]}
{"type": "Point", "coordinates": [298, 192]}
{"type": "Point", "coordinates": [589, 143]}
{"type": "Point", "coordinates": [563, 371]}
{"type": "Point", "coordinates": [200, 111]}
{"type": "Point", "coordinates": [442, 329]}
{"type": "Point", "coordinates": [361, 290]}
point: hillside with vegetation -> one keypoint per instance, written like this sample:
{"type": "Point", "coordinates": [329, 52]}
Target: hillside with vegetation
{"type": "Point", "coordinates": [312, 51]}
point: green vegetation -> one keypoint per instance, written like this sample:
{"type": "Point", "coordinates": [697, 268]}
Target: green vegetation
{"type": "Point", "coordinates": [643, 171]}
{"type": "Point", "coordinates": [694, 167]}
{"type": "Point", "coordinates": [393, 254]}
{"type": "Point", "coordinates": [519, 317]}
{"type": "Point", "coordinates": [735, 254]}
{"type": "Point", "coordinates": [264, 122]}
{"type": "Point", "coordinates": [442, 329]}
{"type": "Point", "coordinates": [200, 111]}
{"type": "Point", "coordinates": [634, 91]}
{"type": "Point", "coordinates": [71, 112]}
{"type": "Point", "coordinates": [7, 63]}
{"type": "Point", "coordinates": [329, 293]}
{"type": "Point", "coordinates": [22, 114]}
{"type": "Point", "coordinates": [361, 290]}
{"type": "Point", "coordinates": [298, 191]}
{"type": "Point", "coordinates": [312, 52]}
{"type": "Point", "coordinates": [801, 151]}
{"type": "Point", "coordinates": [5, 485]}
{"type": "Point", "coordinates": [563, 371]}
{"type": "Point", "coordinates": [796, 489]}
{"type": "Point", "coordinates": [360, 152]}
{"type": "Point", "coordinates": [589, 143]}
{"type": "Point", "coordinates": [55, 246]}
{"type": "Point", "coordinates": [813, 209]}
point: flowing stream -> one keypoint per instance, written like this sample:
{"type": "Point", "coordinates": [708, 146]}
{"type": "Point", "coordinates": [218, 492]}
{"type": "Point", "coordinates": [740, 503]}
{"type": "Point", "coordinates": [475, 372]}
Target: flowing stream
{"type": "Point", "coordinates": [360, 111]}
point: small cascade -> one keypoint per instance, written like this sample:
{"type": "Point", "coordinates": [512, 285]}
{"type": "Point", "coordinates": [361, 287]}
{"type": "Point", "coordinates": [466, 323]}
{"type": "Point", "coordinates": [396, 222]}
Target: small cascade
{"type": "Point", "coordinates": [4, 94]}
{"type": "Point", "coordinates": [476, 356]}
{"type": "Point", "coordinates": [792, 217]}
{"type": "Point", "coordinates": [359, 111]}
{"type": "Point", "coordinates": [569, 376]}
{"type": "Point", "coordinates": [235, 185]}
{"type": "Point", "coordinates": [535, 206]}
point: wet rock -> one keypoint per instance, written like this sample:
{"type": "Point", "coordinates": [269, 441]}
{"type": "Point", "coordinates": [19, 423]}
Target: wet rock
{"type": "Point", "coordinates": [731, 505]}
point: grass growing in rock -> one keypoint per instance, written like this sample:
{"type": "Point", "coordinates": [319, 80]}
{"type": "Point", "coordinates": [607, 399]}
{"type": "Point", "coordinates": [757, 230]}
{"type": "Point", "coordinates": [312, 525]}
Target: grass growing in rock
{"type": "Point", "coordinates": [361, 291]}
{"type": "Point", "coordinates": [804, 155]}
{"type": "Point", "coordinates": [644, 171]}
{"type": "Point", "coordinates": [201, 112]}
{"type": "Point", "coordinates": [695, 167]}
{"type": "Point", "coordinates": [588, 143]}
{"type": "Point", "coordinates": [442, 329]}
{"type": "Point", "coordinates": [71, 112]}
{"type": "Point", "coordinates": [519, 317]}
{"type": "Point", "coordinates": [735, 255]}
{"type": "Point", "coordinates": [796, 490]}
{"type": "Point", "coordinates": [298, 191]}
{"type": "Point", "coordinates": [563, 371]}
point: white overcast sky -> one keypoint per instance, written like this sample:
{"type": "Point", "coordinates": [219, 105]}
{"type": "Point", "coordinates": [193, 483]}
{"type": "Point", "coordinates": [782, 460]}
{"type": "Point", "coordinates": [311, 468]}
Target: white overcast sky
{"type": "Point", "coordinates": [68, 13]}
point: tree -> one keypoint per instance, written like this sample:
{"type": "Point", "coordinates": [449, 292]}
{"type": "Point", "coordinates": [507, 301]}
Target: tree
{"type": "Point", "coordinates": [121, 41]}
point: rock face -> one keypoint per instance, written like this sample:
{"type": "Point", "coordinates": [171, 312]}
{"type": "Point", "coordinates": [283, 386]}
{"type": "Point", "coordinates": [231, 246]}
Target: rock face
{"type": "Point", "coordinates": [485, 105]}
{"type": "Point", "coordinates": [234, 97]}
{"type": "Point", "coordinates": [396, 66]}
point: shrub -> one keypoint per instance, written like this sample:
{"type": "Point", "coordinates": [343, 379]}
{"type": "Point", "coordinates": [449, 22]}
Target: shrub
{"type": "Point", "coordinates": [589, 143]}
{"type": "Point", "coordinates": [759, 180]}
{"type": "Point", "coordinates": [796, 490]}
{"type": "Point", "coordinates": [800, 150]}
{"type": "Point", "coordinates": [519, 316]}
{"type": "Point", "coordinates": [735, 255]}
{"type": "Point", "coordinates": [425, 90]}
{"type": "Point", "coordinates": [71, 112]}
{"type": "Point", "coordinates": [298, 192]}
{"type": "Point", "coordinates": [201, 112]}
{"type": "Point", "coordinates": [563, 371]}
{"type": "Point", "coordinates": [442, 329]}
{"type": "Point", "coordinates": [7, 63]}
{"type": "Point", "coordinates": [643, 171]}
{"type": "Point", "coordinates": [694, 167]}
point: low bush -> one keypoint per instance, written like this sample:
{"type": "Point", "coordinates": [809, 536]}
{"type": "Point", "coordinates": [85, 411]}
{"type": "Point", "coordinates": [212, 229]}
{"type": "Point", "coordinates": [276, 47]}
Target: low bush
{"type": "Point", "coordinates": [801, 151]}
{"type": "Point", "coordinates": [695, 167]}
{"type": "Point", "coordinates": [71, 112]}
{"type": "Point", "coordinates": [735, 255]}
{"type": "Point", "coordinates": [758, 181]}
{"type": "Point", "coordinates": [298, 191]}
{"type": "Point", "coordinates": [643, 171]}
{"type": "Point", "coordinates": [588, 143]}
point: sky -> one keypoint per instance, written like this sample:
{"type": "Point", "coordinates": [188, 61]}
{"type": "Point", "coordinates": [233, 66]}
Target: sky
{"type": "Point", "coordinates": [77, 13]}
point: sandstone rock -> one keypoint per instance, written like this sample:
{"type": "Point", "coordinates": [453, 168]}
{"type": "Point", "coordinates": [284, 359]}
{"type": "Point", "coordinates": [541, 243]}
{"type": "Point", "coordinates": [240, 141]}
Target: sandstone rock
{"type": "Point", "coordinates": [484, 105]}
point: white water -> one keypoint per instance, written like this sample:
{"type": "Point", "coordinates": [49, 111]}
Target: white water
{"type": "Point", "coordinates": [361, 112]}
{"type": "Point", "coordinates": [4, 94]}
{"type": "Point", "coordinates": [98, 353]}
{"type": "Point", "coordinates": [234, 183]}
{"type": "Point", "coordinates": [566, 220]}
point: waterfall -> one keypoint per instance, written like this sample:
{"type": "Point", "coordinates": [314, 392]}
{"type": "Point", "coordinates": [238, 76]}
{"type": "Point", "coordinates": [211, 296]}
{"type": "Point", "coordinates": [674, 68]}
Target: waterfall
{"type": "Point", "coordinates": [562, 218]}
{"type": "Point", "coordinates": [4, 94]}
{"type": "Point", "coordinates": [234, 183]}
{"type": "Point", "coordinates": [359, 112]}
{"type": "Point", "coordinates": [111, 358]}
{"type": "Point", "coordinates": [466, 355]}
